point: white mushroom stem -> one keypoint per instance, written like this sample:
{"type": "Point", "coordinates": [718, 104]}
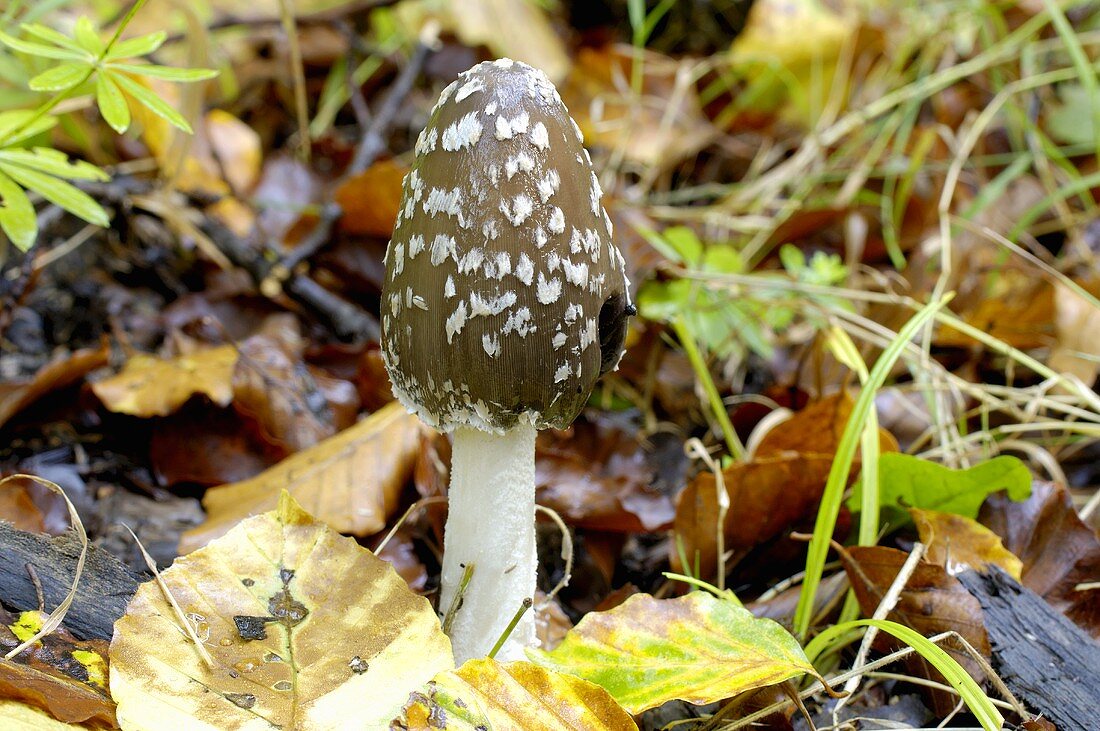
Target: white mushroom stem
{"type": "Point", "coordinates": [491, 523]}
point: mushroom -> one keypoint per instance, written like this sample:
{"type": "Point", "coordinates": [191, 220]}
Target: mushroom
{"type": "Point", "coordinates": [504, 300]}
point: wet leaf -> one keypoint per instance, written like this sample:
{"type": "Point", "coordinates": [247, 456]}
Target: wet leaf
{"type": "Point", "coordinates": [60, 675]}
{"type": "Point", "coordinates": [58, 373]}
{"type": "Point", "coordinates": [766, 496]}
{"type": "Point", "coordinates": [150, 386]}
{"type": "Point", "coordinates": [958, 543]}
{"type": "Point", "coordinates": [350, 481]}
{"type": "Point", "coordinates": [485, 694]}
{"type": "Point", "coordinates": [371, 199]}
{"type": "Point", "coordinates": [697, 648]}
{"type": "Point", "coordinates": [1058, 550]}
{"type": "Point", "coordinates": [909, 482]}
{"type": "Point", "coordinates": [306, 629]}
{"type": "Point", "coordinates": [816, 429]}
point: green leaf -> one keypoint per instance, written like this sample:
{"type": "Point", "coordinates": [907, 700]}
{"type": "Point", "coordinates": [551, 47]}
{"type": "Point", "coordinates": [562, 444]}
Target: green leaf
{"type": "Point", "coordinates": [144, 96]}
{"type": "Point", "coordinates": [48, 34]}
{"type": "Point", "coordinates": [980, 705]}
{"type": "Point", "coordinates": [37, 49]}
{"type": "Point", "coordinates": [62, 76]}
{"type": "Point", "coordinates": [112, 103]}
{"type": "Point", "coordinates": [86, 36]}
{"type": "Point", "coordinates": [685, 243]}
{"type": "Point", "coordinates": [663, 301]}
{"type": "Point", "coordinates": [168, 73]}
{"type": "Point", "coordinates": [17, 214]}
{"type": "Point", "coordinates": [697, 648]}
{"type": "Point", "coordinates": [139, 46]}
{"type": "Point", "coordinates": [58, 192]}
{"type": "Point", "coordinates": [20, 124]}
{"type": "Point", "coordinates": [910, 482]}
{"type": "Point", "coordinates": [53, 162]}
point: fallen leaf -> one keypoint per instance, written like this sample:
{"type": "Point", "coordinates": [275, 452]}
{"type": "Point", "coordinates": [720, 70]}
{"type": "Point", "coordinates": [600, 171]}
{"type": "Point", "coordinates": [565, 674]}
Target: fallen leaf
{"type": "Point", "coordinates": [958, 543]}
{"type": "Point", "coordinates": [1058, 550]}
{"type": "Point", "coordinates": [59, 674]}
{"type": "Point", "coordinates": [16, 395]}
{"type": "Point", "coordinates": [22, 717]}
{"type": "Point", "coordinates": [663, 125]}
{"type": "Point", "coordinates": [697, 648]}
{"type": "Point", "coordinates": [350, 481]}
{"type": "Point", "coordinates": [17, 508]}
{"type": "Point", "coordinates": [485, 694]}
{"type": "Point", "coordinates": [150, 386]}
{"type": "Point", "coordinates": [306, 629]}
{"type": "Point", "coordinates": [816, 429]}
{"type": "Point", "coordinates": [910, 482]}
{"type": "Point", "coordinates": [766, 496]}
{"type": "Point", "coordinates": [1023, 316]}
{"type": "Point", "coordinates": [206, 446]}
{"type": "Point", "coordinates": [596, 475]}
{"type": "Point", "coordinates": [371, 199]}
{"type": "Point", "coordinates": [236, 147]}
{"type": "Point", "coordinates": [931, 602]}
{"type": "Point", "coordinates": [1076, 320]}
{"type": "Point", "coordinates": [401, 554]}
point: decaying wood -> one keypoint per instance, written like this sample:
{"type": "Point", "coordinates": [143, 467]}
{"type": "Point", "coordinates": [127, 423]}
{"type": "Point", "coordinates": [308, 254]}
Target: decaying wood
{"type": "Point", "coordinates": [105, 588]}
{"type": "Point", "coordinates": [1047, 661]}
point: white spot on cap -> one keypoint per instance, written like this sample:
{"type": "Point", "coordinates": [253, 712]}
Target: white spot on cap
{"type": "Point", "coordinates": [395, 303]}
{"type": "Point", "coordinates": [489, 229]}
{"type": "Point", "coordinates": [445, 201]}
{"type": "Point", "coordinates": [589, 333]}
{"type": "Point", "coordinates": [462, 133]}
{"type": "Point", "coordinates": [577, 130]}
{"type": "Point", "coordinates": [548, 185]}
{"type": "Point", "coordinates": [480, 307]}
{"type": "Point", "coordinates": [596, 193]}
{"type": "Point", "coordinates": [559, 339]}
{"type": "Point", "coordinates": [548, 291]}
{"type": "Point", "coordinates": [522, 206]}
{"type": "Point", "coordinates": [508, 128]}
{"type": "Point", "coordinates": [521, 161]}
{"type": "Point", "coordinates": [420, 302]}
{"type": "Point", "coordinates": [504, 63]}
{"type": "Point", "coordinates": [416, 245]}
{"type": "Point", "coordinates": [425, 143]}
{"type": "Point", "coordinates": [449, 287]}
{"type": "Point", "coordinates": [553, 261]}
{"type": "Point", "coordinates": [442, 247]}
{"type": "Point", "coordinates": [607, 224]}
{"type": "Point", "coordinates": [540, 237]}
{"type": "Point", "coordinates": [456, 321]}
{"type": "Point", "coordinates": [491, 343]}
{"type": "Point", "coordinates": [575, 273]}
{"type": "Point", "coordinates": [562, 373]}
{"type": "Point", "coordinates": [539, 137]}
{"type": "Point", "coordinates": [471, 261]}
{"type": "Point", "coordinates": [557, 221]}
{"type": "Point", "coordinates": [520, 322]}
{"type": "Point", "coordinates": [398, 257]}
{"type": "Point", "coordinates": [572, 312]}
{"type": "Point", "coordinates": [468, 88]}
{"type": "Point", "coordinates": [525, 269]}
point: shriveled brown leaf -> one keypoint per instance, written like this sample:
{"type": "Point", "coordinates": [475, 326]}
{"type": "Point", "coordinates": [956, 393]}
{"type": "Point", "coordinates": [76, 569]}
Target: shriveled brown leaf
{"type": "Point", "coordinates": [48, 675]}
{"type": "Point", "coordinates": [597, 476]}
{"type": "Point", "coordinates": [150, 386]}
{"type": "Point", "coordinates": [816, 429]}
{"type": "Point", "coordinates": [766, 497]}
{"type": "Point", "coordinates": [16, 395]}
{"type": "Point", "coordinates": [371, 199]}
{"type": "Point", "coordinates": [957, 542]}
{"type": "Point", "coordinates": [1058, 550]}
{"type": "Point", "coordinates": [932, 602]}
{"type": "Point", "coordinates": [350, 481]}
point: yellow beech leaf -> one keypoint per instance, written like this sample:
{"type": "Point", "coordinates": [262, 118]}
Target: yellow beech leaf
{"type": "Point", "coordinates": [697, 648]}
{"type": "Point", "coordinates": [351, 481]}
{"type": "Point", "coordinates": [957, 542]}
{"type": "Point", "coordinates": [484, 694]}
{"type": "Point", "coordinates": [150, 386]}
{"type": "Point", "coordinates": [305, 630]}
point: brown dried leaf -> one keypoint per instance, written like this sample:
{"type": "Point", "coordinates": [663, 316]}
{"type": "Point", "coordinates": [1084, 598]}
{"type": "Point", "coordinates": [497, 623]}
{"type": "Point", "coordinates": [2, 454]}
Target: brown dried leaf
{"type": "Point", "coordinates": [766, 497]}
{"type": "Point", "coordinates": [17, 508]}
{"type": "Point", "coordinates": [58, 373]}
{"type": "Point", "coordinates": [1077, 320]}
{"type": "Point", "coordinates": [350, 481]}
{"type": "Point", "coordinates": [957, 542]}
{"type": "Point", "coordinates": [205, 446]}
{"type": "Point", "coordinates": [371, 199]}
{"type": "Point", "coordinates": [932, 602]}
{"type": "Point", "coordinates": [816, 429]}
{"type": "Point", "coordinates": [1057, 549]}
{"type": "Point", "coordinates": [150, 386]}
{"type": "Point", "coordinates": [597, 476]}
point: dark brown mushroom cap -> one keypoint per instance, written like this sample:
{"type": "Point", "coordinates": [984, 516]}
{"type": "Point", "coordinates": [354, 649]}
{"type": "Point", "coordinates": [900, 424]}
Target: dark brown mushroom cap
{"type": "Point", "coordinates": [505, 298]}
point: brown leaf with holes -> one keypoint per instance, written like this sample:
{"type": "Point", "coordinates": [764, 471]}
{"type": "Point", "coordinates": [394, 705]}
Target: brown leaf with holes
{"type": "Point", "coordinates": [63, 676]}
{"type": "Point", "coordinates": [596, 475]}
{"type": "Point", "coordinates": [295, 406]}
{"type": "Point", "coordinates": [1058, 550]}
{"type": "Point", "coordinates": [16, 395]}
{"type": "Point", "coordinates": [150, 386]}
{"type": "Point", "coordinates": [370, 200]}
{"type": "Point", "coordinates": [766, 497]}
{"type": "Point", "coordinates": [932, 602]}
{"type": "Point", "coordinates": [816, 429]}
{"type": "Point", "coordinates": [350, 481]}
{"type": "Point", "coordinates": [957, 542]}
